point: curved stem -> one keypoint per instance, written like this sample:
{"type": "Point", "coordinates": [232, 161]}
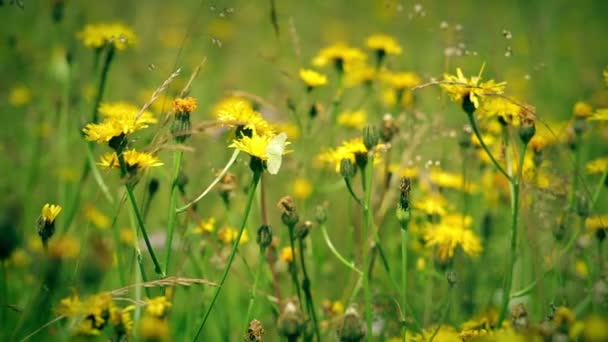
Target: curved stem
{"type": "Point", "coordinates": [508, 281]}
{"type": "Point", "coordinates": [333, 249]}
{"type": "Point", "coordinates": [177, 161]}
{"type": "Point", "coordinates": [352, 193]}
{"type": "Point", "coordinates": [310, 305]}
{"type": "Point", "coordinates": [367, 226]}
{"type": "Point", "coordinates": [250, 197]}
{"type": "Point", "coordinates": [215, 181]}
{"type": "Point", "coordinates": [485, 147]}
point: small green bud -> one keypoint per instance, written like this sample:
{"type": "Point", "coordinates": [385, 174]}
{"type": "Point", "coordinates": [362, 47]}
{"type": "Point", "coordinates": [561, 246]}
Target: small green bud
{"type": "Point", "coordinates": [527, 131]}
{"type": "Point", "coordinates": [351, 328]}
{"type": "Point", "coordinates": [264, 237]}
{"type": "Point", "coordinates": [320, 214]}
{"type": "Point", "coordinates": [347, 168]}
{"type": "Point", "coordinates": [370, 137]}
{"type": "Point", "coordinates": [303, 229]}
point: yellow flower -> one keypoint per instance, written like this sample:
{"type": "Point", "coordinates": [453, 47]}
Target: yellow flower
{"type": "Point", "coordinates": [460, 87]}
{"type": "Point", "coordinates": [383, 43]}
{"type": "Point", "coordinates": [431, 204]}
{"type": "Point", "coordinates": [597, 166]}
{"type": "Point", "coordinates": [353, 119]}
{"type": "Point", "coordinates": [349, 149]}
{"type": "Point", "coordinates": [134, 160]}
{"type": "Point", "coordinates": [96, 36]}
{"type": "Point", "coordinates": [228, 235]}
{"type": "Point", "coordinates": [336, 308]}
{"type": "Point", "coordinates": [235, 112]}
{"type": "Point", "coordinates": [184, 105]}
{"type": "Point", "coordinates": [125, 110]}
{"type": "Point", "coordinates": [595, 326]}
{"type": "Point", "coordinates": [96, 217]}
{"type": "Point", "coordinates": [420, 264]}
{"type": "Point", "coordinates": [206, 226]}
{"type": "Point", "coordinates": [340, 55]}
{"type": "Point", "coordinates": [261, 146]}
{"type": "Point", "coordinates": [302, 189]}
{"type": "Point", "coordinates": [126, 236]}
{"type": "Point", "coordinates": [120, 118]}
{"type": "Point", "coordinates": [153, 329]}
{"type": "Point", "coordinates": [596, 222]}
{"type": "Point", "coordinates": [50, 212]}
{"type": "Point", "coordinates": [448, 236]}
{"type": "Point", "coordinates": [401, 80]}
{"type": "Point", "coordinates": [286, 255]}
{"type": "Point", "coordinates": [312, 78]}
{"type": "Point", "coordinates": [600, 115]}
{"type": "Point", "coordinates": [122, 319]}
{"type": "Point", "coordinates": [19, 95]}
{"type": "Point", "coordinates": [358, 74]}
{"type": "Point", "coordinates": [95, 312]}
{"type": "Point", "coordinates": [158, 306]}
{"type": "Point", "coordinates": [449, 180]}
{"type": "Point", "coordinates": [503, 107]}
{"type": "Point", "coordinates": [70, 306]}
{"type": "Point", "coordinates": [582, 109]}
{"type": "Point", "coordinates": [581, 268]}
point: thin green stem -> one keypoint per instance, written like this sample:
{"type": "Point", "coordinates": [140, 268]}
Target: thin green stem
{"type": "Point", "coordinates": [367, 226]}
{"type": "Point", "coordinates": [404, 278]}
{"type": "Point", "coordinates": [508, 281]}
{"type": "Point", "coordinates": [306, 285]}
{"type": "Point", "coordinates": [352, 193]}
{"type": "Point", "coordinates": [177, 162]}
{"type": "Point", "coordinates": [293, 266]}
{"type": "Point", "coordinates": [256, 279]}
{"type": "Point", "coordinates": [485, 147]}
{"type": "Point", "coordinates": [117, 244]}
{"type": "Point", "coordinates": [598, 189]}
{"type": "Point", "coordinates": [250, 197]}
{"type": "Point", "coordinates": [333, 249]}
{"type": "Point", "coordinates": [142, 228]}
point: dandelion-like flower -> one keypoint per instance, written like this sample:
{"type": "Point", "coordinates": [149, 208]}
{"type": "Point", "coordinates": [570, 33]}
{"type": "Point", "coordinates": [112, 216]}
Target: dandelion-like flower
{"type": "Point", "coordinates": [353, 150]}
{"type": "Point", "coordinates": [96, 36]}
{"type": "Point", "coordinates": [401, 80]}
{"type": "Point", "coordinates": [184, 105]}
{"type": "Point", "coordinates": [206, 226]}
{"type": "Point", "coordinates": [582, 109]}
{"type": "Point", "coordinates": [228, 235]}
{"type": "Point", "coordinates": [448, 235]}
{"type": "Point", "coordinates": [353, 119]}
{"type": "Point", "coordinates": [312, 78]}
{"type": "Point", "coordinates": [134, 160]}
{"type": "Point", "coordinates": [432, 204]}
{"type": "Point", "coordinates": [46, 221]}
{"type": "Point", "coordinates": [158, 306]}
{"type": "Point", "coordinates": [269, 149]}
{"type": "Point", "coordinates": [597, 166]}
{"type": "Point", "coordinates": [340, 55]}
{"type": "Point", "coordinates": [239, 113]}
{"type": "Point", "coordinates": [472, 89]}
{"type": "Point", "coordinates": [120, 119]}
{"type": "Point", "coordinates": [286, 255]}
{"type": "Point", "coordinates": [383, 44]}
{"type": "Point", "coordinates": [599, 115]}
{"type": "Point", "coordinates": [501, 107]}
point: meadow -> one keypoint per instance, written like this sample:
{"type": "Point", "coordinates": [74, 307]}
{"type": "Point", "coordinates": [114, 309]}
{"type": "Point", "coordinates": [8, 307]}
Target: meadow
{"type": "Point", "coordinates": [303, 170]}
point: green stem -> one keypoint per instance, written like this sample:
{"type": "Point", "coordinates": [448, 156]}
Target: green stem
{"type": "Point", "coordinates": [333, 249]}
{"type": "Point", "coordinates": [404, 278]}
{"type": "Point", "coordinates": [142, 228]}
{"type": "Point", "coordinates": [367, 226]}
{"type": "Point", "coordinates": [256, 279]}
{"type": "Point", "coordinates": [293, 266]}
{"type": "Point", "coordinates": [598, 189]}
{"type": "Point", "coordinates": [310, 305]}
{"type": "Point", "coordinates": [350, 190]}
{"type": "Point", "coordinates": [508, 281]}
{"type": "Point", "coordinates": [250, 197]}
{"type": "Point", "coordinates": [117, 245]}
{"type": "Point", "coordinates": [177, 162]}
{"type": "Point", "coordinates": [485, 147]}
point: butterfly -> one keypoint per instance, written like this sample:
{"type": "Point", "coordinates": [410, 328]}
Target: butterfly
{"type": "Point", "coordinates": [275, 150]}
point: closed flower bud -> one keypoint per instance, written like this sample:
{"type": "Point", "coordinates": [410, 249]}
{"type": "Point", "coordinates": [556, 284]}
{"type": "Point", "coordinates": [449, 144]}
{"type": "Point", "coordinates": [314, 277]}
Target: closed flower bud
{"type": "Point", "coordinates": [351, 328]}
{"type": "Point", "coordinates": [289, 214]}
{"type": "Point", "coordinates": [264, 237]}
{"type": "Point", "coordinates": [527, 131]}
{"type": "Point", "coordinates": [370, 137]}
{"type": "Point", "coordinates": [302, 229]}
{"type": "Point", "coordinates": [46, 221]}
{"type": "Point", "coordinates": [320, 214]}
{"type": "Point", "coordinates": [347, 168]}
{"type": "Point", "coordinates": [291, 322]}
{"type": "Point", "coordinates": [467, 105]}
{"type": "Point", "coordinates": [153, 186]}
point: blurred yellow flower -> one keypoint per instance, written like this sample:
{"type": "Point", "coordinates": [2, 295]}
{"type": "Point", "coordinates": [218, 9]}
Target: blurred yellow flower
{"type": "Point", "coordinates": [228, 235]}
{"type": "Point", "coordinates": [340, 55]}
{"type": "Point", "coordinates": [353, 119]}
{"type": "Point", "coordinates": [63, 247]}
{"type": "Point", "coordinates": [96, 36]}
{"type": "Point", "coordinates": [158, 306]}
{"type": "Point", "coordinates": [502, 107]}
{"type": "Point", "coordinates": [600, 115]}
{"type": "Point", "coordinates": [235, 112]}
{"type": "Point", "coordinates": [401, 80]}
{"type": "Point", "coordinates": [449, 180]}
{"type": "Point", "coordinates": [126, 236]}
{"type": "Point", "coordinates": [19, 95]}
{"type": "Point", "coordinates": [384, 44]}
{"type": "Point", "coordinates": [446, 236]}
{"type": "Point", "coordinates": [581, 269]}
{"type": "Point", "coordinates": [349, 149]}
{"type": "Point", "coordinates": [206, 226]}
{"type": "Point", "coordinates": [135, 160]}
{"type": "Point", "coordinates": [302, 188]}
{"type": "Point", "coordinates": [96, 217]}
{"type": "Point", "coordinates": [286, 255]}
{"type": "Point", "coordinates": [596, 222]}
{"type": "Point", "coordinates": [152, 329]}
{"type": "Point", "coordinates": [432, 204]}
{"type": "Point", "coordinates": [595, 326]}
{"type": "Point", "coordinates": [50, 213]}
{"type": "Point", "coordinates": [582, 109]}
{"type": "Point", "coordinates": [597, 166]}
{"type": "Point", "coordinates": [312, 78]}
{"type": "Point", "coordinates": [184, 105]}
{"type": "Point", "coordinates": [460, 87]}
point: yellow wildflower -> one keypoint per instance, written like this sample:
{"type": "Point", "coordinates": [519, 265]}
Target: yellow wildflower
{"type": "Point", "coordinates": [124, 110]}
{"type": "Point", "coordinates": [582, 109]}
{"type": "Point", "coordinates": [581, 269]}
{"type": "Point", "coordinates": [349, 149]}
{"type": "Point", "coordinates": [401, 80]}
{"type": "Point", "coordinates": [595, 326]}
{"type": "Point", "coordinates": [353, 119]}
{"type": "Point", "coordinates": [153, 329]}
{"type": "Point", "coordinates": [449, 180]}
{"type": "Point", "coordinates": [158, 306]}
{"type": "Point", "coordinates": [342, 56]}
{"type": "Point", "coordinates": [184, 105]}
{"type": "Point", "coordinates": [431, 204]}
{"type": "Point", "coordinates": [286, 255]}
{"type": "Point", "coordinates": [420, 264]}
{"type": "Point", "coordinates": [126, 236]}
{"type": "Point", "coordinates": [50, 213]}
{"type": "Point", "coordinates": [502, 107]}
{"type": "Point", "coordinates": [134, 160]}
{"type": "Point", "coordinates": [96, 217]}
{"type": "Point", "coordinates": [19, 95]}
{"type": "Point", "coordinates": [302, 188]}
{"type": "Point", "coordinates": [448, 236]}
{"type": "Point", "coordinates": [600, 115]}
{"type": "Point", "coordinates": [122, 319]}
{"type": "Point", "coordinates": [228, 235]}
{"type": "Point", "coordinates": [459, 87]}
{"type": "Point", "coordinates": [98, 35]}
{"type": "Point", "coordinates": [383, 44]}
{"type": "Point", "coordinates": [206, 226]}
{"type": "Point", "coordinates": [234, 112]}
{"type": "Point", "coordinates": [96, 312]}
{"type": "Point", "coordinates": [597, 166]}
{"type": "Point", "coordinates": [358, 74]}
{"type": "Point", "coordinates": [596, 222]}
{"type": "Point", "coordinates": [312, 78]}
{"type": "Point", "coordinates": [116, 126]}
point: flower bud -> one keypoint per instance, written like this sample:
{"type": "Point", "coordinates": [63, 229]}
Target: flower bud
{"type": "Point", "coordinates": [291, 322]}
{"type": "Point", "coordinates": [347, 168]}
{"type": "Point", "coordinates": [370, 137]}
{"type": "Point", "coordinates": [302, 229]}
{"type": "Point", "coordinates": [351, 328]}
{"type": "Point", "coordinates": [264, 237]}
{"type": "Point", "coordinates": [527, 130]}
{"type": "Point", "coordinates": [320, 214]}
{"type": "Point", "coordinates": [289, 214]}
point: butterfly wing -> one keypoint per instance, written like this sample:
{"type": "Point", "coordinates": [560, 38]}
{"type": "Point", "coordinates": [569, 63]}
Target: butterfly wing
{"type": "Point", "coordinates": [274, 150]}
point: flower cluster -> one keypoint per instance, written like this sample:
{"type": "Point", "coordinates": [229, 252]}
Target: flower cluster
{"type": "Point", "coordinates": [97, 36]}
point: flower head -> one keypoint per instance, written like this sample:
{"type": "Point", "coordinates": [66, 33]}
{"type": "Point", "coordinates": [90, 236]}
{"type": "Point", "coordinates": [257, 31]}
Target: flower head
{"type": "Point", "coordinates": [459, 87]}
{"type": "Point", "coordinates": [432, 204]}
{"type": "Point", "coordinates": [597, 166]}
{"type": "Point", "coordinates": [353, 119]}
{"type": "Point", "coordinates": [238, 113]}
{"type": "Point", "coordinates": [352, 150]}
{"type": "Point", "coordinates": [206, 226]}
{"type": "Point", "coordinates": [184, 105]}
{"type": "Point", "coordinates": [582, 109]}
{"type": "Point", "coordinates": [446, 236]}
{"type": "Point", "coordinates": [228, 235]}
{"type": "Point", "coordinates": [401, 80]}
{"type": "Point", "coordinates": [99, 35]}
{"type": "Point", "coordinates": [600, 115]}
{"type": "Point", "coordinates": [133, 159]}
{"type": "Point", "coordinates": [384, 44]}
{"type": "Point", "coordinates": [120, 118]}
{"type": "Point", "coordinates": [501, 107]}
{"type": "Point", "coordinates": [340, 55]}
{"type": "Point", "coordinates": [50, 213]}
{"type": "Point", "coordinates": [286, 255]}
{"type": "Point", "coordinates": [312, 78]}
{"type": "Point", "coordinates": [158, 306]}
